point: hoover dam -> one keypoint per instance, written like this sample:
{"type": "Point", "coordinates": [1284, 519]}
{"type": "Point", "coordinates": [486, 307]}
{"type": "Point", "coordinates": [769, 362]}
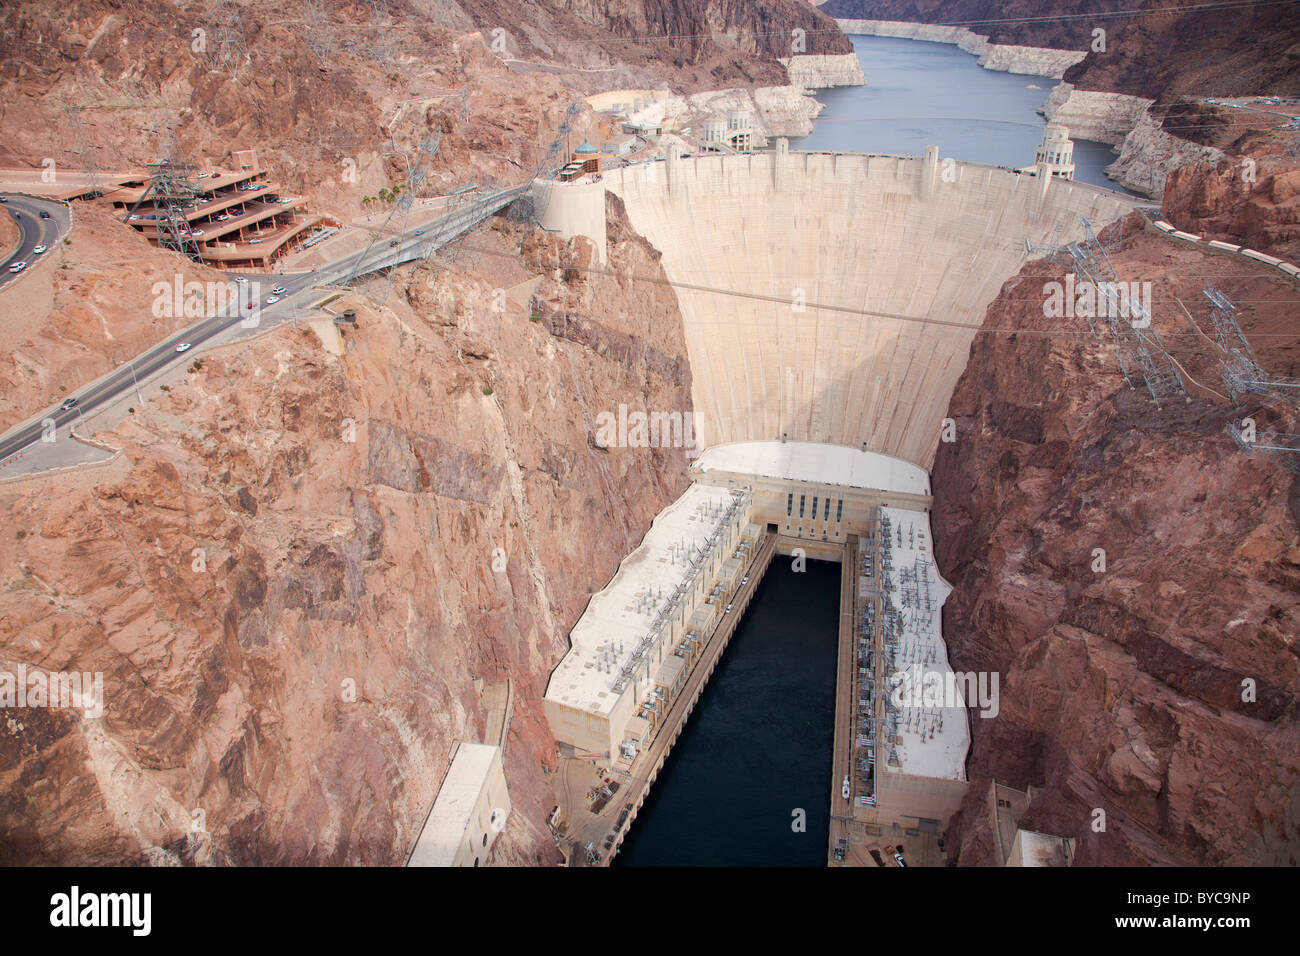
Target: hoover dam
{"type": "Point", "coordinates": [829, 302]}
{"type": "Point", "coordinates": [833, 297]}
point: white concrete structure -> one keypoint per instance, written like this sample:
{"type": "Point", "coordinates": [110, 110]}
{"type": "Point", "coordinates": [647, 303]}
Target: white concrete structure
{"type": "Point", "coordinates": [1056, 151]}
{"type": "Point", "coordinates": [848, 286]}
{"type": "Point", "coordinates": [632, 627]}
{"type": "Point", "coordinates": [806, 461]}
{"type": "Point", "coordinates": [574, 208]}
{"type": "Point", "coordinates": [1032, 848]}
{"type": "Point", "coordinates": [472, 807]}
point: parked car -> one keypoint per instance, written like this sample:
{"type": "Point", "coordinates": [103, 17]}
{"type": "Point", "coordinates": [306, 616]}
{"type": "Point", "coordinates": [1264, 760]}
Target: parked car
{"type": "Point", "coordinates": [898, 858]}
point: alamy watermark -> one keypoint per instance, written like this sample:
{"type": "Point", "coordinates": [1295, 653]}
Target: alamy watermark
{"type": "Point", "coordinates": [38, 688]}
{"type": "Point", "coordinates": [1098, 300]}
{"type": "Point", "coordinates": [918, 686]}
{"type": "Point", "coordinates": [640, 429]}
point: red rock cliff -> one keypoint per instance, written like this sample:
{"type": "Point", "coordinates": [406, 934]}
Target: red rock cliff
{"type": "Point", "coordinates": [1122, 689]}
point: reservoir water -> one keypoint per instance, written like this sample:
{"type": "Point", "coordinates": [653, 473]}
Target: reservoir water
{"type": "Point", "coordinates": [758, 745]}
{"type": "Point", "coordinates": [921, 93]}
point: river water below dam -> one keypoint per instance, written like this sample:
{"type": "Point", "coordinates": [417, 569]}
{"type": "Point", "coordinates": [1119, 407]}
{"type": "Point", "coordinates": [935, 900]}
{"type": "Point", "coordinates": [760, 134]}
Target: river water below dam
{"type": "Point", "coordinates": [920, 93]}
{"type": "Point", "coordinates": [758, 744]}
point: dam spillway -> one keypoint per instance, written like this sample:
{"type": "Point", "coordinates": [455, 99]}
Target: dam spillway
{"type": "Point", "coordinates": [833, 297]}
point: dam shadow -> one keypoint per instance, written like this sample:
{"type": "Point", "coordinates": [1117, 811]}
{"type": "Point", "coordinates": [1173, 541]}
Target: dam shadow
{"type": "Point", "coordinates": [758, 745]}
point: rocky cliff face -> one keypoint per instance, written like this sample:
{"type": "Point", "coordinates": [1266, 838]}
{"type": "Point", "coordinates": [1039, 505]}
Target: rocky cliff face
{"type": "Point", "coordinates": [304, 567]}
{"type": "Point", "coordinates": [1229, 51]}
{"type": "Point", "coordinates": [1256, 204]}
{"type": "Point", "coordinates": [1158, 687]}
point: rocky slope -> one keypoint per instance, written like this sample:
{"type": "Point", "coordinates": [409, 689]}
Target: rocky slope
{"type": "Point", "coordinates": [414, 517]}
{"type": "Point", "coordinates": [1219, 202]}
{"type": "Point", "coordinates": [1122, 687]}
{"type": "Point", "coordinates": [1241, 50]}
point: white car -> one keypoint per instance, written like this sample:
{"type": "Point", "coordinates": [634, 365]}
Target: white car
{"type": "Point", "coordinates": [184, 346]}
{"type": "Point", "coordinates": [242, 280]}
{"type": "Point", "coordinates": [283, 199]}
{"type": "Point", "coordinates": [728, 610]}
{"type": "Point", "coordinates": [38, 250]}
{"type": "Point", "coordinates": [197, 232]}
{"type": "Point", "coordinates": [845, 792]}
{"type": "Point", "coordinates": [18, 267]}
{"type": "Point", "coordinates": [279, 290]}
{"type": "Point", "coordinates": [272, 299]}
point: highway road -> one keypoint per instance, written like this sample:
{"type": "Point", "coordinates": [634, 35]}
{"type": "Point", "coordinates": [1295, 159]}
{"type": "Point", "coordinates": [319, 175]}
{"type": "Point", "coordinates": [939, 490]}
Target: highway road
{"type": "Point", "coordinates": [406, 247]}
{"type": "Point", "coordinates": [26, 212]}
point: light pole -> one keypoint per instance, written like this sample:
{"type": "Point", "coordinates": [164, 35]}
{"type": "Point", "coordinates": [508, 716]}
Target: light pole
{"type": "Point", "coordinates": [135, 383]}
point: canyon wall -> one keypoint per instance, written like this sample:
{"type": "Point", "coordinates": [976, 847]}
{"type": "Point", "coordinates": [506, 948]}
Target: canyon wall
{"type": "Point", "coordinates": [832, 298]}
{"type": "Point", "coordinates": [1153, 680]}
{"type": "Point", "coordinates": [1147, 48]}
{"type": "Point", "coordinates": [305, 567]}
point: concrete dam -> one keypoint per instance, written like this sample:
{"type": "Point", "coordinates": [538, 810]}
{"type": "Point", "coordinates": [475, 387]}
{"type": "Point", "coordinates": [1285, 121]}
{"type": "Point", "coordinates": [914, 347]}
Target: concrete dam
{"type": "Point", "coordinates": [789, 266]}
{"type": "Point", "coordinates": [829, 302]}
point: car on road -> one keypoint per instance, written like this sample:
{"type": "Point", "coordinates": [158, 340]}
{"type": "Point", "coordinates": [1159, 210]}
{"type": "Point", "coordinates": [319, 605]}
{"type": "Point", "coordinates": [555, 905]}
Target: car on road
{"type": "Point", "coordinates": [4, 198]}
{"type": "Point", "coordinates": [44, 214]}
{"type": "Point", "coordinates": [419, 232]}
{"type": "Point", "coordinates": [184, 346]}
{"type": "Point", "coordinates": [242, 280]}
{"type": "Point", "coordinates": [728, 610]}
{"type": "Point", "coordinates": [272, 299]}
{"type": "Point", "coordinates": [68, 403]}
{"type": "Point", "coordinates": [18, 267]}
{"type": "Point", "coordinates": [279, 290]}
{"type": "Point", "coordinates": [38, 250]}
{"type": "Point", "coordinates": [745, 579]}
{"type": "Point", "coordinates": [898, 858]}
{"type": "Point", "coordinates": [253, 242]}
{"type": "Point", "coordinates": [196, 233]}
{"type": "Point", "coordinates": [845, 792]}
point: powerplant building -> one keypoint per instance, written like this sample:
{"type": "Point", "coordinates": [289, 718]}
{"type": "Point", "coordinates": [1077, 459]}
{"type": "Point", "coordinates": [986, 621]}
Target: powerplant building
{"type": "Point", "coordinates": [635, 643]}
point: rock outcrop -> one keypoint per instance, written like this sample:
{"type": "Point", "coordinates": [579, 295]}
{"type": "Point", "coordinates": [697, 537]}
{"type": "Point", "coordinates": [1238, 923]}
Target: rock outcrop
{"type": "Point", "coordinates": [304, 568]}
{"type": "Point", "coordinates": [1255, 203]}
{"type": "Point", "coordinates": [1132, 576]}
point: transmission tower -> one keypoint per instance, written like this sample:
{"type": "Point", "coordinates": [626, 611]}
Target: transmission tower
{"type": "Point", "coordinates": [395, 223]}
{"type": "Point", "coordinates": [86, 160]}
{"type": "Point", "coordinates": [229, 52]}
{"type": "Point", "coordinates": [171, 187]}
{"type": "Point", "coordinates": [381, 48]}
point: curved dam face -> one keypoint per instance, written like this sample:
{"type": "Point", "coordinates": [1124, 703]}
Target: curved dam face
{"type": "Point", "coordinates": [780, 258]}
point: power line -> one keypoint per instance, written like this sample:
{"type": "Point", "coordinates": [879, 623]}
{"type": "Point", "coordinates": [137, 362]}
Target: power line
{"type": "Point", "coordinates": [814, 306]}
